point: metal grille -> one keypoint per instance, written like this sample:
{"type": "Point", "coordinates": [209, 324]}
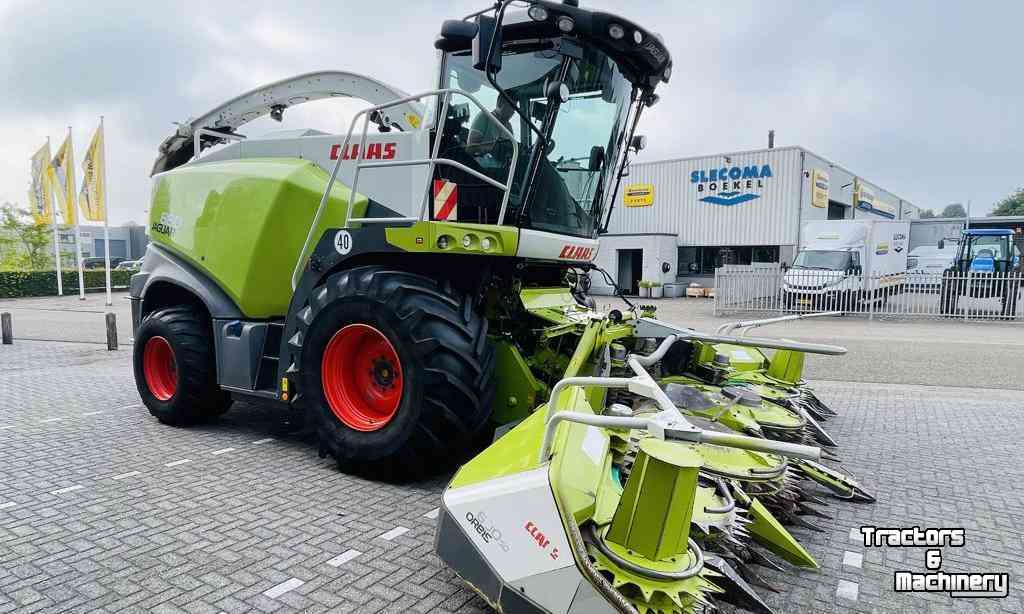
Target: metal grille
{"type": "Point", "coordinates": [965, 296]}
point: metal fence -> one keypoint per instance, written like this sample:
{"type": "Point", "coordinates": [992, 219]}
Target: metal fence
{"type": "Point", "coordinates": [969, 296]}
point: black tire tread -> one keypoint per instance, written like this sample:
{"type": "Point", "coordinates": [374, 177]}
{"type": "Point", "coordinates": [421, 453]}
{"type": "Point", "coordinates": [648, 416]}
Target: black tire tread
{"type": "Point", "coordinates": [444, 329]}
{"type": "Point", "coordinates": [198, 396]}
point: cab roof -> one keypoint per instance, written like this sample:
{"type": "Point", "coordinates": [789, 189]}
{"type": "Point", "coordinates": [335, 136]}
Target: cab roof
{"type": "Point", "coordinates": [641, 55]}
{"type": "Point", "coordinates": [988, 232]}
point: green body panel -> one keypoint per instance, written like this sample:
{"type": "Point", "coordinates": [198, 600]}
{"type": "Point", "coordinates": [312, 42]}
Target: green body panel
{"type": "Point", "coordinates": [740, 358]}
{"type": "Point", "coordinates": [422, 237]}
{"type": "Point", "coordinates": [575, 476]}
{"type": "Point", "coordinates": [787, 366]}
{"type": "Point", "coordinates": [653, 517]}
{"type": "Point", "coordinates": [517, 391]}
{"type": "Point", "coordinates": [515, 452]}
{"type": "Point", "coordinates": [243, 223]}
{"type": "Point", "coordinates": [556, 305]}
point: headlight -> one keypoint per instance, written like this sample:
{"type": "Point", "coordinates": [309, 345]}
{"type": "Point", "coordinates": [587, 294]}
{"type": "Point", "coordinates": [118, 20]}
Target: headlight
{"type": "Point", "coordinates": [616, 31]}
{"type": "Point", "coordinates": [565, 23]}
{"type": "Point", "coordinates": [537, 13]}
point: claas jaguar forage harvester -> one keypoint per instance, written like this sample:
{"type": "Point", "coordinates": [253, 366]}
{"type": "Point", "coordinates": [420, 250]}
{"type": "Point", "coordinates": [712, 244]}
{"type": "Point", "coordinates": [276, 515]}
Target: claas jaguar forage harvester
{"type": "Point", "coordinates": [418, 286]}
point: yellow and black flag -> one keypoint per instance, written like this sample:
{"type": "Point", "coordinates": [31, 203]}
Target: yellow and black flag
{"type": "Point", "coordinates": [62, 170]}
{"type": "Point", "coordinates": [40, 195]}
{"type": "Point", "coordinates": [93, 197]}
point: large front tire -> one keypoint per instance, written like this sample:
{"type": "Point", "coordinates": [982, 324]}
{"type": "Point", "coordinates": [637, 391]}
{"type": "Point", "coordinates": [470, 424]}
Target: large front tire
{"type": "Point", "coordinates": [175, 367]}
{"type": "Point", "coordinates": [396, 371]}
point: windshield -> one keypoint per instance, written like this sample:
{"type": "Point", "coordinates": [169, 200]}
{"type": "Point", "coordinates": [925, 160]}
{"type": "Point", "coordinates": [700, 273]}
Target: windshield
{"type": "Point", "coordinates": [821, 259]}
{"type": "Point", "coordinates": [575, 172]}
{"type": "Point", "coordinates": [989, 247]}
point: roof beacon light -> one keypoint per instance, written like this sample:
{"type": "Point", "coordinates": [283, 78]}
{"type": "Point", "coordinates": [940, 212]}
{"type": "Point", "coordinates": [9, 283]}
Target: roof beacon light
{"type": "Point", "coordinates": [537, 13]}
{"type": "Point", "coordinates": [616, 31]}
{"type": "Point", "coordinates": [565, 23]}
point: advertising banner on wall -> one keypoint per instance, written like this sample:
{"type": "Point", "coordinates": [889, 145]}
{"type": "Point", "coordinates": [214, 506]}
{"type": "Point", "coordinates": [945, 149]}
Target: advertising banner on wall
{"type": "Point", "coordinates": [819, 189]}
{"type": "Point", "coordinates": [864, 198]}
{"type": "Point", "coordinates": [638, 195]}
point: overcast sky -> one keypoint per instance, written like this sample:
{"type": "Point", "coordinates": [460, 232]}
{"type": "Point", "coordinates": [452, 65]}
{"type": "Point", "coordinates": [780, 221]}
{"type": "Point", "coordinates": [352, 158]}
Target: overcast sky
{"type": "Point", "coordinates": [921, 98]}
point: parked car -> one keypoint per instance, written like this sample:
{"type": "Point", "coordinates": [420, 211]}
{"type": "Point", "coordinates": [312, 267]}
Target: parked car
{"type": "Point", "coordinates": [926, 263]}
{"type": "Point", "coordinates": [129, 265]}
{"type": "Point", "coordinates": [99, 262]}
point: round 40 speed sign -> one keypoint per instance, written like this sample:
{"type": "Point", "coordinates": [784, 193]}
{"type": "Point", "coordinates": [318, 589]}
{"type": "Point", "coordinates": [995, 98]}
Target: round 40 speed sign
{"type": "Point", "coordinates": [343, 242]}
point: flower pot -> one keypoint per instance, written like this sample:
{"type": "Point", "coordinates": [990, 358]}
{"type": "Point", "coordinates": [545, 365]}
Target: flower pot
{"type": "Point", "coordinates": [656, 292]}
{"type": "Point", "coordinates": [645, 292]}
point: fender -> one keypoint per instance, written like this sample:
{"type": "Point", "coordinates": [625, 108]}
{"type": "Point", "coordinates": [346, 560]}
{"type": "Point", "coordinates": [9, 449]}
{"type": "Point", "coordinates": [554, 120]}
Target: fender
{"type": "Point", "coordinates": [161, 265]}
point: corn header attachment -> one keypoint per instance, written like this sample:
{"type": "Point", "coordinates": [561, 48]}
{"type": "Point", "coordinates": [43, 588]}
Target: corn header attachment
{"type": "Point", "coordinates": [640, 485]}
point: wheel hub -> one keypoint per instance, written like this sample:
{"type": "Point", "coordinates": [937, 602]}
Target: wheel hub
{"type": "Point", "coordinates": [160, 368]}
{"type": "Point", "coordinates": [362, 377]}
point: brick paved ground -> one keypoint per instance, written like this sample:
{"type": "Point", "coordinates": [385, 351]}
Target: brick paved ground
{"type": "Point", "coordinates": [99, 513]}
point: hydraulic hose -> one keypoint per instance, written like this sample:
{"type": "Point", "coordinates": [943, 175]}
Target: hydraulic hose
{"type": "Point", "coordinates": [722, 491]}
{"type": "Point", "coordinates": [603, 586]}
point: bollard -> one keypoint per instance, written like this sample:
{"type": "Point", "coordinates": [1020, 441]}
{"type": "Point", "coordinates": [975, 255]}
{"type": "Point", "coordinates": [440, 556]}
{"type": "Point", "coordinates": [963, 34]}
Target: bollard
{"type": "Point", "coordinates": [6, 330]}
{"type": "Point", "coordinates": [111, 332]}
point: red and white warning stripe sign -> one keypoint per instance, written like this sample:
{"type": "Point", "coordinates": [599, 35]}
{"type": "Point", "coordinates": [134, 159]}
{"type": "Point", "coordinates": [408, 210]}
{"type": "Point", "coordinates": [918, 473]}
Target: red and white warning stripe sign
{"type": "Point", "coordinates": [446, 201]}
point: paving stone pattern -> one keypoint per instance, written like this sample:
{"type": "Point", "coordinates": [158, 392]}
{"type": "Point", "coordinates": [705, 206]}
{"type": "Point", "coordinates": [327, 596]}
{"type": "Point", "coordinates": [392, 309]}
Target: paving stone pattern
{"type": "Point", "coordinates": [97, 513]}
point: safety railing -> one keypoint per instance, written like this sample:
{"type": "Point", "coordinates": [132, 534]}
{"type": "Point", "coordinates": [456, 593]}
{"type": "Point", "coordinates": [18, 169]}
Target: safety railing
{"type": "Point", "coordinates": [197, 139]}
{"type": "Point", "coordinates": [964, 296]}
{"type": "Point", "coordinates": [432, 162]}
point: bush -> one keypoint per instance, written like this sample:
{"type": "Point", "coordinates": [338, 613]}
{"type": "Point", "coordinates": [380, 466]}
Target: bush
{"type": "Point", "coordinates": [15, 284]}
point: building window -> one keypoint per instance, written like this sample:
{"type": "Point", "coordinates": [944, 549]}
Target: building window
{"type": "Point", "coordinates": [704, 260]}
{"type": "Point", "coordinates": [689, 261]}
{"type": "Point", "coordinates": [765, 253]}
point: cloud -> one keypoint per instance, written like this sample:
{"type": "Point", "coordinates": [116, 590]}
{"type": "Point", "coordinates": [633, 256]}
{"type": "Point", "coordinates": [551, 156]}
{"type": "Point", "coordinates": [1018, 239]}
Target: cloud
{"type": "Point", "coordinates": [922, 99]}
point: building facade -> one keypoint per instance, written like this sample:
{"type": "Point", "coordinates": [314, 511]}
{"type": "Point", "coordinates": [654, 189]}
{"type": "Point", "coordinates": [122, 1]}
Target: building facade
{"type": "Point", "coordinates": [128, 242]}
{"type": "Point", "coordinates": [676, 221]}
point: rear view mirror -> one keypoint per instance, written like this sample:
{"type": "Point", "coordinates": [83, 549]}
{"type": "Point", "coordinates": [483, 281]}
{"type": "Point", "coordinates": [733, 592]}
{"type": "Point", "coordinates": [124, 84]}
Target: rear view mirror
{"type": "Point", "coordinates": [455, 34]}
{"type": "Point", "coordinates": [484, 57]}
{"type": "Point", "coordinates": [596, 158]}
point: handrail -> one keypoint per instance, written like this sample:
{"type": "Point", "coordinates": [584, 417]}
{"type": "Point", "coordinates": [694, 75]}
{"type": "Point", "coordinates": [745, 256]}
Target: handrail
{"type": "Point", "coordinates": [445, 94]}
{"type": "Point", "coordinates": [650, 327]}
{"type": "Point", "coordinates": [728, 327]}
{"type": "Point", "coordinates": [669, 423]}
{"type": "Point", "coordinates": [197, 142]}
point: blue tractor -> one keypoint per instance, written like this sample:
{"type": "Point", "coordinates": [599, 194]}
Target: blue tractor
{"type": "Point", "coordinates": [987, 265]}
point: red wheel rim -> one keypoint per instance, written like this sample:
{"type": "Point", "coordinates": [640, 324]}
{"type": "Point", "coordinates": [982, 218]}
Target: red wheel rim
{"type": "Point", "coordinates": [362, 377]}
{"type": "Point", "coordinates": [160, 368]}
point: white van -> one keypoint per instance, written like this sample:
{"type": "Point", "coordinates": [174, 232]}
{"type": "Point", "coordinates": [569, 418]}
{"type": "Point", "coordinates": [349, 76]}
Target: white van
{"type": "Point", "coordinates": [842, 263]}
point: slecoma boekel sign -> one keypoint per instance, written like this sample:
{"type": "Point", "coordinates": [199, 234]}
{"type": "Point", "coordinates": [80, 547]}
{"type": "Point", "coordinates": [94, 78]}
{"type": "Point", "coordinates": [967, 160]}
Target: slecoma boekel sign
{"type": "Point", "coordinates": [730, 185]}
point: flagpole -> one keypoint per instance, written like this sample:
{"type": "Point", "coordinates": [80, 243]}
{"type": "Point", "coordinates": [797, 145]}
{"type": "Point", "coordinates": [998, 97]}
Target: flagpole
{"type": "Point", "coordinates": [106, 208]}
{"type": "Point", "coordinates": [72, 206]}
{"type": "Point", "coordinates": [53, 222]}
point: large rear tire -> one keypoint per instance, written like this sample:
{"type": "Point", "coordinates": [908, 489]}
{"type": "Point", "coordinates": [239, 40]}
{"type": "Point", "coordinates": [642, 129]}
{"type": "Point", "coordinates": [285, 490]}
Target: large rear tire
{"type": "Point", "coordinates": [396, 371]}
{"type": "Point", "coordinates": [175, 367]}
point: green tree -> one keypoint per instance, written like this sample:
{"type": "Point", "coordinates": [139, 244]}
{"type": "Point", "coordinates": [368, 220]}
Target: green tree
{"type": "Point", "coordinates": [954, 210]}
{"type": "Point", "coordinates": [926, 213]}
{"type": "Point", "coordinates": [24, 242]}
{"type": "Point", "coordinates": [1011, 205]}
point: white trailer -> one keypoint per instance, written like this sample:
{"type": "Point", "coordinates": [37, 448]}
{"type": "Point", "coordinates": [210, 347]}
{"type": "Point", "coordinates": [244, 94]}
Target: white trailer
{"type": "Point", "coordinates": [843, 263]}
